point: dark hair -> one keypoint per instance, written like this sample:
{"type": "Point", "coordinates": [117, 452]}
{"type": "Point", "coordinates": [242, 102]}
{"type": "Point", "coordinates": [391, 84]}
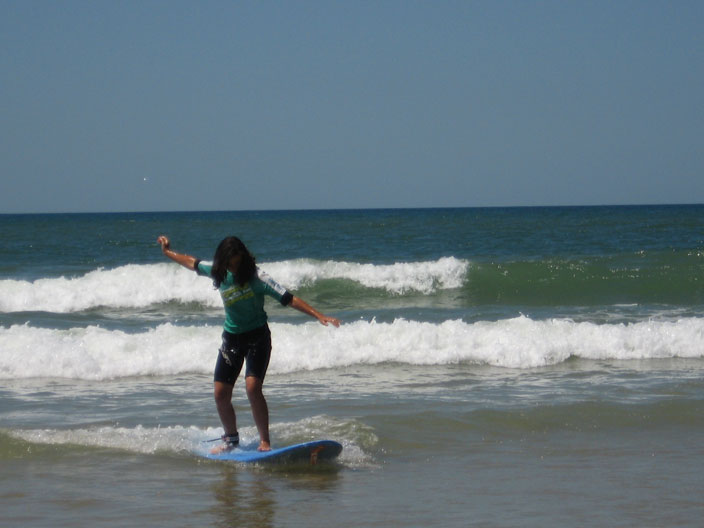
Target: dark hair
{"type": "Point", "coordinates": [228, 248]}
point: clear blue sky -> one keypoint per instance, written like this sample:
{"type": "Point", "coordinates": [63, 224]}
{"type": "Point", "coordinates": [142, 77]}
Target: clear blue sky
{"type": "Point", "coordinates": [211, 105]}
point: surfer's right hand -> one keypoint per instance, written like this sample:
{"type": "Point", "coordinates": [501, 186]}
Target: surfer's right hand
{"type": "Point", "coordinates": [164, 241]}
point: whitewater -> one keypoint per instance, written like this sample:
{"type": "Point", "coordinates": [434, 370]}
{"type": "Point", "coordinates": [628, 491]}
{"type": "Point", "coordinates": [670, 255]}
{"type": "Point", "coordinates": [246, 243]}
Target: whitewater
{"type": "Point", "coordinates": [94, 353]}
{"type": "Point", "coordinates": [140, 286]}
{"type": "Point", "coordinates": [175, 346]}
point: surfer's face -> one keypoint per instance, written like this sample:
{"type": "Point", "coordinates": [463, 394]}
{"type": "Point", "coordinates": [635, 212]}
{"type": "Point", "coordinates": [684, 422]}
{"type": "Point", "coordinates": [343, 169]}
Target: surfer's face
{"type": "Point", "coordinates": [234, 263]}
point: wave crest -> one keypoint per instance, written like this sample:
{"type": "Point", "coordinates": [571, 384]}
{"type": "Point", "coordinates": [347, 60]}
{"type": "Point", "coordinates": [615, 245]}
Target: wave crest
{"type": "Point", "coordinates": [95, 353]}
{"type": "Point", "coordinates": [139, 286]}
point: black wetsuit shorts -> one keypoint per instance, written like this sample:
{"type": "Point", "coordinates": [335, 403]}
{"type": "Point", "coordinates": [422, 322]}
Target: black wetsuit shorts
{"type": "Point", "coordinates": [254, 347]}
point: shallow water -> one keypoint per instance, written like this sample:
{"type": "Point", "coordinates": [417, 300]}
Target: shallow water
{"type": "Point", "coordinates": [584, 443]}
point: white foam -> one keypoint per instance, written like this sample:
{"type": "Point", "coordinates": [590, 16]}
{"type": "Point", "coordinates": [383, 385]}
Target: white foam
{"type": "Point", "coordinates": [355, 437]}
{"type": "Point", "coordinates": [146, 440]}
{"type": "Point", "coordinates": [131, 286]}
{"type": "Point", "coordinates": [401, 277]}
{"type": "Point", "coordinates": [139, 286]}
{"type": "Point", "coordinates": [95, 353]}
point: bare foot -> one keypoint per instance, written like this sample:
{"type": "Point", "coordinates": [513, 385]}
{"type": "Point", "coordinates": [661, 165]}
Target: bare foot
{"type": "Point", "coordinates": [264, 446]}
{"type": "Point", "coordinates": [222, 448]}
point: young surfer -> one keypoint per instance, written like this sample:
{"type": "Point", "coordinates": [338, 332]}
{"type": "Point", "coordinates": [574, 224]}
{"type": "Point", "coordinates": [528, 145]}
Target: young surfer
{"type": "Point", "coordinates": [246, 337]}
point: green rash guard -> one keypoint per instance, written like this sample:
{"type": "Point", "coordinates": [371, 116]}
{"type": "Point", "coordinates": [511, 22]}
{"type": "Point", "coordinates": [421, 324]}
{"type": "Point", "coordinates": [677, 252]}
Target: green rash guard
{"type": "Point", "coordinates": [244, 305]}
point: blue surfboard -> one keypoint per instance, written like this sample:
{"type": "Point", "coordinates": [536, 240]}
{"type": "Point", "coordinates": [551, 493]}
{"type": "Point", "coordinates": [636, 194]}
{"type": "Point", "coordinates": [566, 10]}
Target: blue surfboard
{"type": "Point", "coordinates": [307, 452]}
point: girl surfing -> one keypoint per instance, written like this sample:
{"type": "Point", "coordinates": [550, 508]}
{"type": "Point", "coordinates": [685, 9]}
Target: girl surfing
{"type": "Point", "coordinates": [246, 338]}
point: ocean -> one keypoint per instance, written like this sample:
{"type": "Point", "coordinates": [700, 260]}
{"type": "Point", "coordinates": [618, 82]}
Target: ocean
{"type": "Point", "coordinates": [495, 367]}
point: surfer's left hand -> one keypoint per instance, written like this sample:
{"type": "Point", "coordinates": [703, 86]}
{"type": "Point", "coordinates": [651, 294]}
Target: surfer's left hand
{"type": "Point", "coordinates": [324, 320]}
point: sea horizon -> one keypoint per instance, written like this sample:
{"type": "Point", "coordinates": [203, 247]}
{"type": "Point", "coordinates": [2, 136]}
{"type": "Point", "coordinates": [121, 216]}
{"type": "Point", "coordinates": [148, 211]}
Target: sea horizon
{"type": "Point", "coordinates": [359, 209]}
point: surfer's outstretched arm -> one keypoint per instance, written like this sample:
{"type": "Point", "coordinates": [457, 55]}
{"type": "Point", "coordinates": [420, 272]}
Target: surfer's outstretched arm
{"type": "Point", "coordinates": [186, 261]}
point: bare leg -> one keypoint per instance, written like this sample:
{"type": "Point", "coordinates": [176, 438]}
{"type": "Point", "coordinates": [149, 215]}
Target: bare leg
{"type": "Point", "coordinates": [260, 411]}
{"type": "Point", "coordinates": [223, 402]}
